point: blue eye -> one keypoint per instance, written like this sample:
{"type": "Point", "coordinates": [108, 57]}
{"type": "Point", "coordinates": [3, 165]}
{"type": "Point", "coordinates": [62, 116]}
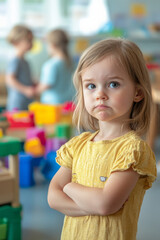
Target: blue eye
{"type": "Point", "coordinates": [91, 86]}
{"type": "Point", "coordinates": [114, 84]}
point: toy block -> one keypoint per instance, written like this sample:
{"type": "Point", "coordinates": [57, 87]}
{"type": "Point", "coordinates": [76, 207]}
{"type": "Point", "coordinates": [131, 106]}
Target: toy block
{"type": "Point", "coordinates": [68, 107]}
{"type": "Point", "coordinates": [9, 146]}
{"type": "Point", "coordinates": [45, 113]}
{"type": "Point", "coordinates": [34, 147]}
{"type": "Point", "coordinates": [67, 112]}
{"type": "Point", "coordinates": [49, 130]}
{"type": "Point", "coordinates": [1, 133]}
{"type": "Point", "coordinates": [50, 166]}
{"type": "Point", "coordinates": [58, 142]}
{"type": "Point", "coordinates": [20, 119]}
{"type": "Point", "coordinates": [63, 130]}
{"type": "Point", "coordinates": [49, 146]}
{"type": "Point", "coordinates": [53, 144]}
{"type": "Point", "coordinates": [13, 221]}
{"type": "Point", "coordinates": [36, 132]}
{"type": "Point", "coordinates": [26, 177]}
{"type": "Point", "coordinates": [37, 161]}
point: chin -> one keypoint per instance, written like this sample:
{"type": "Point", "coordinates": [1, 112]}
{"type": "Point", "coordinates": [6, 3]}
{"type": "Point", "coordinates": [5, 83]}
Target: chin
{"type": "Point", "coordinates": [102, 116]}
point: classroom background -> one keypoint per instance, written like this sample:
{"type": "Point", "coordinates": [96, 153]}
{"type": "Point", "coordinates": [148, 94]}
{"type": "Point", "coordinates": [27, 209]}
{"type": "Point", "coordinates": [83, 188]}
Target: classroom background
{"type": "Point", "coordinates": [28, 141]}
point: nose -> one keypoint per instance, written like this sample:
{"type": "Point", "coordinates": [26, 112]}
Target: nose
{"type": "Point", "coordinates": [101, 95]}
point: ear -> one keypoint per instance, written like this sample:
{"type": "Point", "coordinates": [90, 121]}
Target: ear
{"type": "Point", "coordinates": [138, 95]}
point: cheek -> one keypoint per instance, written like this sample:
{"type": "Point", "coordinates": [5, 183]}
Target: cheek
{"type": "Point", "coordinates": [125, 100]}
{"type": "Point", "coordinates": [87, 101]}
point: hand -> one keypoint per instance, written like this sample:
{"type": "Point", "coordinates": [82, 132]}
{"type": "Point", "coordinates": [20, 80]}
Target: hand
{"type": "Point", "coordinates": [67, 188]}
{"type": "Point", "coordinates": [29, 91]}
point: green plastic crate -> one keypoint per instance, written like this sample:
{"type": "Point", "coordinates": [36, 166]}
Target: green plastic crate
{"type": "Point", "coordinates": [9, 146]}
{"type": "Point", "coordinates": [3, 228]}
{"type": "Point", "coordinates": [13, 216]}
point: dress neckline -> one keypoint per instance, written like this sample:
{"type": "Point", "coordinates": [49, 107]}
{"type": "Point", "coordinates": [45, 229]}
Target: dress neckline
{"type": "Point", "coordinates": [126, 135]}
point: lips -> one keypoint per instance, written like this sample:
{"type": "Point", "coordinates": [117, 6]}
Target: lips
{"type": "Point", "coordinates": [101, 106]}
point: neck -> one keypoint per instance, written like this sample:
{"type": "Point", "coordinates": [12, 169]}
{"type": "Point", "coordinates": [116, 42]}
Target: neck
{"type": "Point", "coordinates": [109, 131]}
{"type": "Point", "coordinates": [58, 53]}
{"type": "Point", "coordinates": [19, 53]}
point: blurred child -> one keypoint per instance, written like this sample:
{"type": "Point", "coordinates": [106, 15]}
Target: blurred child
{"type": "Point", "coordinates": [18, 78]}
{"type": "Point", "coordinates": [55, 85]}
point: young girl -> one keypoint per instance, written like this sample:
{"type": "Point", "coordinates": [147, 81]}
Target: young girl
{"type": "Point", "coordinates": [18, 78]}
{"type": "Point", "coordinates": [104, 175]}
{"type": "Point", "coordinates": [56, 76]}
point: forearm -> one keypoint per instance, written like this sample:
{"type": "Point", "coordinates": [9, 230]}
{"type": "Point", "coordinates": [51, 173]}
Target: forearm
{"type": "Point", "coordinates": [107, 200]}
{"type": "Point", "coordinates": [59, 201]}
{"type": "Point", "coordinates": [40, 88]}
{"type": "Point", "coordinates": [87, 198]}
{"type": "Point", "coordinates": [14, 83]}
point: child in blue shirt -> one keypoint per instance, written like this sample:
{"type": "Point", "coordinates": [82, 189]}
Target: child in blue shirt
{"type": "Point", "coordinates": [18, 78]}
{"type": "Point", "coordinates": [55, 85]}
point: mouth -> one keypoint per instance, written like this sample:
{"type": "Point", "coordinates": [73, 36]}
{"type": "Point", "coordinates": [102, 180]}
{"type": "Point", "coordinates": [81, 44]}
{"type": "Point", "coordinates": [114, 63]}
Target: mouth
{"type": "Point", "coordinates": [101, 106]}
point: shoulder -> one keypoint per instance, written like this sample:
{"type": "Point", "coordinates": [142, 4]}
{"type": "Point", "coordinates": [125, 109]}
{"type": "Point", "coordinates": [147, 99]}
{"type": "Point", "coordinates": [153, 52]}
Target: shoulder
{"type": "Point", "coordinates": [133, 146]}
{"type": "Point", "coordinates": [15, 60]}
{"type": "Point", "coordinates": [131, 141]}
{"type": "Point", "coordinates": [82, 138]}
{"type": "Point", "coordinates": [77, 142]}
{"type": "Point", "coordinates": [66, 152]}
{"type": "Point", "coordinates": [51, 64]}
{"type": "Point", "coordinates": [13, 65]}
{"type": "Point", "coordinates": [134, 151]}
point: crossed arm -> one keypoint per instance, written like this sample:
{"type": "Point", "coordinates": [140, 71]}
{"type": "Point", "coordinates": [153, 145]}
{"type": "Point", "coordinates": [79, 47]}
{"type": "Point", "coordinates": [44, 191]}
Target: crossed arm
{"type": "Point", "coordinates": [58, 200]}
{"type": "Point", "coordinates": [77, 200]}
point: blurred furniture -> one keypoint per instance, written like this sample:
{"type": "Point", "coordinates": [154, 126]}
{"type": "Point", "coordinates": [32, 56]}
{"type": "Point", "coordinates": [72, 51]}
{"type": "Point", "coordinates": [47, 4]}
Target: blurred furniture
{"type": "Point", "coordinates": [154, 125]}
{"type": "Point", "coordinates": [3, 92]}
{"type": "Point", "coordinates": [9, 177]}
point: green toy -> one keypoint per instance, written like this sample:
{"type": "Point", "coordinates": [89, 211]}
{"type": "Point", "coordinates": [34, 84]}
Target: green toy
{"type": "Point", "coordinates": [3, 228]}
{"type": "Point", "coordinates": [10, 215]}
{"type": "Point", "coordinates": [10, 224]}
{"type": "Point", "coordinates": [9, 146]}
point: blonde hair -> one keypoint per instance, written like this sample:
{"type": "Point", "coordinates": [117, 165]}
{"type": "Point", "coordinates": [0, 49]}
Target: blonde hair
{"type": "Point", "coordinates": [18, 33]}
{"type": "Point", "coordinates": [131, 59]}
{"type": "Point", "coordinates": [60, 40]}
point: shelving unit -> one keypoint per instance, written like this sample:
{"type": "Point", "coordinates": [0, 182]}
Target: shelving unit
{"type": "Point", "coordinates": [9, 178]}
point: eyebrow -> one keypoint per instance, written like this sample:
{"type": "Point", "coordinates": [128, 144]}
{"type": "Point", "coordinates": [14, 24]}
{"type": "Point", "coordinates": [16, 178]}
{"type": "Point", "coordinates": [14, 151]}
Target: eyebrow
{"type": "Point", "coordinates": [88, 80]}
{"type": "Point", "coordinates": [106, 77]}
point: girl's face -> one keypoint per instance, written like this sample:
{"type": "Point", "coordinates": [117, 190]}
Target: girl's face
{"type": "Point", "coordinates": [108, 91]}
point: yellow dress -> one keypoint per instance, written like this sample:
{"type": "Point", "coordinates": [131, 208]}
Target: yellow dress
{"type": "Point", "coordinates": [91, 164]}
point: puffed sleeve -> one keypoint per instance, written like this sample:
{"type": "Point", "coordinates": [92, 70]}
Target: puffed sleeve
{"type": "Point", "coordinates": [65, 154]}
{"type": "Point", "coordinates": [140, 157]}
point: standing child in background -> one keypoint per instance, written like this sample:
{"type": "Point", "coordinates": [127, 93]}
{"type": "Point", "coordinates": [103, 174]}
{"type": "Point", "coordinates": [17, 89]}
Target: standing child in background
{"type": "Point", "coordinates": [104, 175]}
{"type": "Point", "coordinates": [18, 79]}
{"type": "Point", "coordinates": [55, 85]}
